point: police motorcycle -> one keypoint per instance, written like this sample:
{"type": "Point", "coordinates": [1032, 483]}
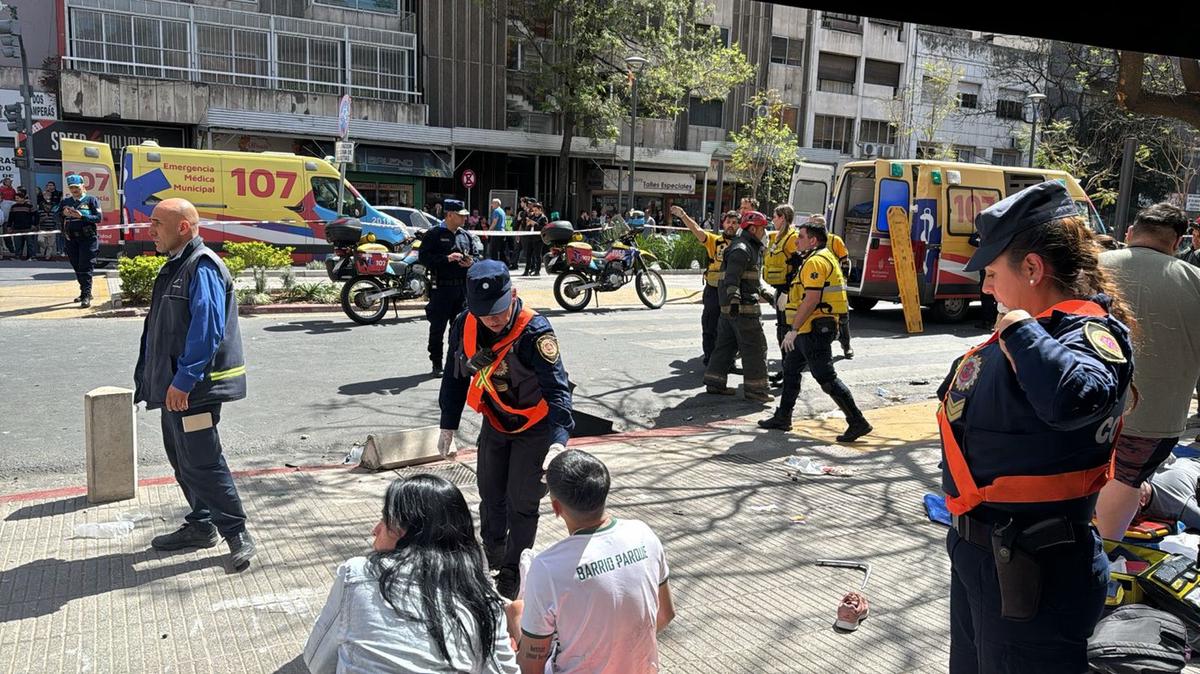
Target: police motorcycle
{"type": "Point", "coordinates": [374, 276]}
{"type": "Point", "coordinates": [581, 273]}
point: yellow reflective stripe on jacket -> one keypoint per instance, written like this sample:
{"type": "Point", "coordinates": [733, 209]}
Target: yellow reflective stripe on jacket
{"type": "Point", "coordinates": [775, 259]}
{"type": "Point", "coordinates": [714, 246]}
{"type": "Point", "coordinates": [227, 374]}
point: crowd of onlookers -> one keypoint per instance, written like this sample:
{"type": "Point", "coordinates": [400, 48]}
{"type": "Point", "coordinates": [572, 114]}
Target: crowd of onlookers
{"type": "Point", "coordinates": [422, 600]}
{"type": "Point", "coordinates": [31, 222]}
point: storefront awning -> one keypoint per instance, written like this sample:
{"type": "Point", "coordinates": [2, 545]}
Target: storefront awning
{"type": "Point", "coordinates": [362, 130]}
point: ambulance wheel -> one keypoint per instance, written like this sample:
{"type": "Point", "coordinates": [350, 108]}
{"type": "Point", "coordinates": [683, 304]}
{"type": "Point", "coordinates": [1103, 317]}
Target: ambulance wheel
{"type": "Point", "coordinates": [355, 302]}
{"type": "Point", "coordinates": [952, 310]}
{"type": "Point", "coordinates": [859, 303]}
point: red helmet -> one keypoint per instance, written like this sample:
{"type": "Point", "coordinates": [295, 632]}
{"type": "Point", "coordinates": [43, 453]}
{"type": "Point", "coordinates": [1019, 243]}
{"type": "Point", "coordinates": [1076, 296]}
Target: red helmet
{"type": "Point", "coordinates": [753, 219]}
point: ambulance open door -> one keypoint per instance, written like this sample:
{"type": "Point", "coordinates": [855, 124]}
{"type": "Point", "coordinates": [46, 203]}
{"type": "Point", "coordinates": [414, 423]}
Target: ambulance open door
{"type": "Point", "coordinates": [93, 162]}
{"type": "Point", "coordinates": [810, 190]}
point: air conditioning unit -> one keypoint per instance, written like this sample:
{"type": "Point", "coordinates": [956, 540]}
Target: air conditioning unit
{"type": "Point", "coordinates": [870, 149]}
{"type": "Point", "coordinates": [887, 151]}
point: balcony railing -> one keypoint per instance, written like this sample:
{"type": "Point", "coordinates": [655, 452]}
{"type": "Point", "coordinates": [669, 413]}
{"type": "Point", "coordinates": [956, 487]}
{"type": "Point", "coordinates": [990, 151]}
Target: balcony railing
{"type": "Point", "coordinates": [172, 40]}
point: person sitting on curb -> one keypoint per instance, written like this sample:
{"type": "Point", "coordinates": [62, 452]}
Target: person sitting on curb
{"type": "Point", "coordinates": [596, 600]}
{"type": "Point", "coordinates": [421, 601]}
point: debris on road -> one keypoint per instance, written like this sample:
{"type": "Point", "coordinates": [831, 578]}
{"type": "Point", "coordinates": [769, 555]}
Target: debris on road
{"type": "Point", "coordinates": [770, 507]}
{"type": "Point", "coordinates": [799, 519]}
{"type": "Point", "coordinates": [118, 529]}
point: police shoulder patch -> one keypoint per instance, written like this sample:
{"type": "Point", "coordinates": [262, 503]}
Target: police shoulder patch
{"type": "Point", "coordinates": [1103, 342]}
{"type": "Point", "coordinates": [547, 346]}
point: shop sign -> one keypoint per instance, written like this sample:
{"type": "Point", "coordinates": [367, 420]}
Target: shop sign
{"type": "Point", "coordinates": [47, 141]}
{"type": "Point", "coordinates": [402, 161]}
{"type": "Point", "coordinates": [653, 182]}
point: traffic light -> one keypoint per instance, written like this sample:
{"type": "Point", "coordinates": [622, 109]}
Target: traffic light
{"type": "Point", "coordinates": [15, 114]}
{"type": "Point", "coordinates": [20, 160]}
{"type": "Point", "coordinates": [10, 40]}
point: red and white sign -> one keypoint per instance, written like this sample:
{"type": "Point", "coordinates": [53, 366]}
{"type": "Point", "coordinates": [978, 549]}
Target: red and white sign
{"type": "Point", "coordinates": [468, 179]}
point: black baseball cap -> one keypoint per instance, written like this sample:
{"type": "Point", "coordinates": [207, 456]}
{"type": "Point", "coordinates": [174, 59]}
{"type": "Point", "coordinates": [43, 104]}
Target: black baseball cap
{"type": "Point", "coordinates": [489, 288]}
{"type": "Point", "coordinates": [999, 223]}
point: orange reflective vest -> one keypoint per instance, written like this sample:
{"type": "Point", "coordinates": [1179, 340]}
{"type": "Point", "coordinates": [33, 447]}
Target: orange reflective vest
{"type": "Point", "coordinates": [1022, 488]}
{"type": "Point", "coordinates": [481, 382]}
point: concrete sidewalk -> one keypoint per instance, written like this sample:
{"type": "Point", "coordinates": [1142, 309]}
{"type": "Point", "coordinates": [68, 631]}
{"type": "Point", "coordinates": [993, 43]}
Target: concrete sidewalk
{"type": "Point", "coordinates": [748, 594]}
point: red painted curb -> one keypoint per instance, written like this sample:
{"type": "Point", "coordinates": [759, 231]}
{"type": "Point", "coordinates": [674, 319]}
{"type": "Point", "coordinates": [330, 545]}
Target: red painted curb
{"type": "Point", "coordinates": [671, 432]}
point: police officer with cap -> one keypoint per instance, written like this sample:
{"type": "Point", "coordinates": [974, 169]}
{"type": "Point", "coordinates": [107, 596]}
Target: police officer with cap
{"type": "Point", "coordinates": [447, 251]}
{"type": "Point", "coordinates": [1028, 423]}
{"type": "Point", "coordinates": [740, 327]}
{"type": "Point", "coordinates": [506, 365]}
{"type": "Point", "coordinates": [80, 213]}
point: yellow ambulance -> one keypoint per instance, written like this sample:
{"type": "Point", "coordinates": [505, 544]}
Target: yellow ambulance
{"type": "Point", "coordinates": [276, 197]}
{"type": "Point", "coordinates": [942, 200]}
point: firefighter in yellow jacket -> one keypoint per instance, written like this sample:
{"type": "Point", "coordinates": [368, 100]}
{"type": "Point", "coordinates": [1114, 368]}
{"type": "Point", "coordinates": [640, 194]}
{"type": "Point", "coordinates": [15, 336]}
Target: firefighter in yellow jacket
{"type": "Point", "coordinates": [780, 260]}
{"type": "Point", "coordinates": [816, 299]}
{"type": "Point", "coordinates": [838, 248]}
{"type": "Point", "coordinates": [714, 247]}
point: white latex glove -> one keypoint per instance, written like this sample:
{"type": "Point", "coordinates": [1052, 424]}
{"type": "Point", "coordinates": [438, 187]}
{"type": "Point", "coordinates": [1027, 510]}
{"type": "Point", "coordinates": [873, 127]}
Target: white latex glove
{"type": "Point", "coordinates": [789, 341]}
{"type": "Point", "coordinates": [781, 302]}
{"type": "Point", "coordinates": [555, 449]}
{"type": "Point", "coordinates": [446, 444]}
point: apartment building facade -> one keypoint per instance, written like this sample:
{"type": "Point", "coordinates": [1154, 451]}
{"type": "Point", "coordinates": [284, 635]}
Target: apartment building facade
{"type": "Point", "coordinates": [440, 87]}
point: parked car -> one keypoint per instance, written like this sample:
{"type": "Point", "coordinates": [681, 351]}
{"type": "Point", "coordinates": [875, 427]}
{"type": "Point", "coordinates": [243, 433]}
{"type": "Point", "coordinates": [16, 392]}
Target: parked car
{"type": "Point", "coordinates": [416, 221]}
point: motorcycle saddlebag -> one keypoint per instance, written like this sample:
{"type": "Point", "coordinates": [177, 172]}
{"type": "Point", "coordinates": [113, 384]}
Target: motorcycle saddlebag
{"type": "Point", "coordinates": [557, 233]}
{"type": "Point", "coordinates": [372, 263]}
{"type": "Point", "coordinates": [342, 235]}
{"type": "Point", "coordinates": [579, 254]}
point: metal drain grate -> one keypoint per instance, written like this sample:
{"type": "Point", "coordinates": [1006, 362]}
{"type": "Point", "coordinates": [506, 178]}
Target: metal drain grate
{"type": "Point", "coordinates": [457, 473]}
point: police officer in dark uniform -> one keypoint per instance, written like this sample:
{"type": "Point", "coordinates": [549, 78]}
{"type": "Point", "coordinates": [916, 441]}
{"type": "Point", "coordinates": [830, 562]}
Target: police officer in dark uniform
{"type": "Point", "coordinates": [740, 326]}
{"type": "Point", "coordinates": [506, 365]}
{"type": "Point", "coordinates": [1028, 423]}
{"type": "Point", "coordinates": [80, 214]}
{"type": "Point", "coordinates": [447, 251]}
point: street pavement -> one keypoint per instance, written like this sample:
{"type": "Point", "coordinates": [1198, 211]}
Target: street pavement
{"type": "Point", "coordinates": [741, 537]}
{"type": "Point", "coordinates": [320, 383]}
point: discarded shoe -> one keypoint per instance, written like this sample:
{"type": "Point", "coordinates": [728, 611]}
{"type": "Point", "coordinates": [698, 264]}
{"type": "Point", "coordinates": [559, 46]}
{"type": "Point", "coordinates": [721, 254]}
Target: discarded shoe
{"type": "Point", "coordinates": [856, 430]}
{"type": "Point", "coordinates": [853, 610]}
{"type": "Point", "coordinates": [776, 422]}
{"type": "Point", "coordinates": [719, 390]}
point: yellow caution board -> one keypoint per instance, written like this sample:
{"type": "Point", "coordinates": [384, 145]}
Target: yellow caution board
{"type": "Point", "coordinates": [906, 272]}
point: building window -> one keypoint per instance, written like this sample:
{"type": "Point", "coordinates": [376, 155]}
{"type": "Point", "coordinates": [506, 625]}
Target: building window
{"type": "Point", "coordinates": [968, 95]}
{"type": "Point", "coordinates": [226, 55]}
{"type": "Point", "coordinates": [379, 72]}
{"type": "Point", "coordinates": [705, 113]}
{"type": "Point", "coordinates": [876, 131]}
{"type": "Point", "coordinates": [1006, 157]}
{"type": "Point", "coordinates": [833, 133]}
{"type": "Point", "coordinates": [386, 6]}
{"type": "Point", "coordinates": [787, 51]}
{"type": "Point", "coordinates": [790, 116]}
{"type": "Point", "coordinates": [835, 73]}
{"type": "Point", "coordinates": [722, 33]}
{"type": "Point", "coordinates": [964, 153]}
{"type": "Point", "coordinates": [515, 55]}
{"type": "Point", "coordinates": [882, 73]}
{"type": "Point", "coordinates": [1010, 104]}
{"type": "Point", "coordinates": [310, 64]}
{"type": "Point", "coordinates": [123, 45]}
{"type": "Point", "coordinates": [929, 150]}
{"type": "Point", "coordinates": [851, 23]}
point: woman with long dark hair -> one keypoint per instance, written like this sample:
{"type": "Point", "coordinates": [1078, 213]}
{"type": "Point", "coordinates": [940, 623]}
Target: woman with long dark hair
{"type": "Point", "coordinates": [421, 601]}
{"type": "Point", "coordinates": [1028, 423]}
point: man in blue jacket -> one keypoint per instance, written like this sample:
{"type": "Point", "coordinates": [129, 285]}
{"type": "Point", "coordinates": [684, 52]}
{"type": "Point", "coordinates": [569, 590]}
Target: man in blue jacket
{"type": "Point", "coordinates": [193, 313]}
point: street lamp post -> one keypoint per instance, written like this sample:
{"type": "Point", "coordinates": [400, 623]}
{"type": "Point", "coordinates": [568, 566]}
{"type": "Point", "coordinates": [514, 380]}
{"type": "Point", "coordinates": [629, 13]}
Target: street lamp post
{"type": "Point", "coordinates": [1035, 101]}
{"type": "Point", "coordinates": [635, 63]}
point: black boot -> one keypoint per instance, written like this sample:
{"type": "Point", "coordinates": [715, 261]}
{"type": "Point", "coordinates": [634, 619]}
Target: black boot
{"type": "Point", "coordinates": [188, 536]}
{"type": "Point", "coordinates": [845, 401]}
{"type": "Point", "coordinates": [494, 555]}
{"type": "Point", "coordinates": [241, 549]}
{"type": "Point", "coordinates": [436, 370]}
{"type": "Point", "coordinates": [508, 582]}
{"type": "Point", "coordinates": [777, 421]}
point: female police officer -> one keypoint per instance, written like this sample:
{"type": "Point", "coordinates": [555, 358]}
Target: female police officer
{"type": "Point", "coordinates": [1028, 421]}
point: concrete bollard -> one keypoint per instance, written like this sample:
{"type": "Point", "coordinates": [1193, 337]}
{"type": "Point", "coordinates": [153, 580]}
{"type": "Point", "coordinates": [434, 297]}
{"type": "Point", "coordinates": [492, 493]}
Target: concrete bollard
{"type": "Point", "coordinates": [108, 422]}
{"type": "Point", "coordinates": [401, 448]}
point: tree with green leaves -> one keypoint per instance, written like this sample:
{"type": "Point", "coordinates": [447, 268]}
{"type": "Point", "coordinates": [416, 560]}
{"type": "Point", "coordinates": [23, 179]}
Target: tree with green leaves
{"type": "Point", "coordinates": [765, 149]}
{"type": "Point", "coordinates": [920, 113]}
{"type": "Point", "coordinates": [577, 69]}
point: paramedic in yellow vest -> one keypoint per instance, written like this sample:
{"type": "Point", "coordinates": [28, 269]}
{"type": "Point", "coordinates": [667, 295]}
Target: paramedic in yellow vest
{"type": "Point", "coordinates": [779, 266]}
{"type": "Point", "coordinates": [816, 299]}
{"type": "Point", "coordinates": [504, 363]}
{"type": "Point", "coordinates": [838, 248]}
{"type": "Point", "coordinates": [714, 247]}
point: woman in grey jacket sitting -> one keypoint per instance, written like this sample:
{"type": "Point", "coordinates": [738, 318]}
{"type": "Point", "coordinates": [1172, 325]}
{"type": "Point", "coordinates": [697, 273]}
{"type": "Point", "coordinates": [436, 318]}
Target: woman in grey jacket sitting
{"type": "Point", "coordinates": [421, 601]}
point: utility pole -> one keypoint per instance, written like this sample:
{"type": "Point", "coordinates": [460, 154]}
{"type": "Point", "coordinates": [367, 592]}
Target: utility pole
{"type": "Point", "coordinates": [19, 115]}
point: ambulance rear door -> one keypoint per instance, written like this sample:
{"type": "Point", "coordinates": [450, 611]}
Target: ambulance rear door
{"type": "Point", "coordinates": [810, 191]}
{"type": "Point", "coordinates": [968, 191]}
{"type": "Point", "coordinates": [93, 162]}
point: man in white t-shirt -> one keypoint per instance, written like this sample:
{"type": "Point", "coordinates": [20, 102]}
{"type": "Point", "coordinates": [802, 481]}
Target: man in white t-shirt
{"type": "Point", "coordinates": [595, 601]}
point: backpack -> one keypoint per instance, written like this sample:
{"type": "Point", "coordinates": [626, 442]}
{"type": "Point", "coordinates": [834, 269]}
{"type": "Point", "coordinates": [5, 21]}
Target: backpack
{"type": "Point", "coordinates": [1136, 639]}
